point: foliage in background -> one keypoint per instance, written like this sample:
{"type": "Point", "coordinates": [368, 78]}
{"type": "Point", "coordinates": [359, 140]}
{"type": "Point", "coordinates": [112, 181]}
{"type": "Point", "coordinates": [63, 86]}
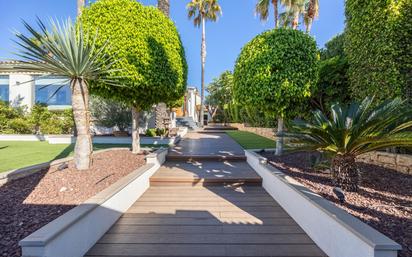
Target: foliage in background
{"type": "Point", "coordinates": [109, 113]}
{"type": "Point", "coordinates": [152, 64]}
{"type": "Point", "coordinates": [16, 120]}
{"type": "Point", "coordinates": [276, 72]}
{"type": "Point", "coordinates": [333, 84]}
{"type": "Point", "coordinates": [378, 47]}
{"type": "Point", "coordinates": [220, 96]}
{"type": "Point", "coordinates": [351, 130]}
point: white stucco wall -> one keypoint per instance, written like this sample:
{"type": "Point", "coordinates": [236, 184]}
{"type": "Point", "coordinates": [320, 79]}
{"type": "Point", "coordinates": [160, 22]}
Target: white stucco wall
{"type": "Point", "coordinates": [21, 90]}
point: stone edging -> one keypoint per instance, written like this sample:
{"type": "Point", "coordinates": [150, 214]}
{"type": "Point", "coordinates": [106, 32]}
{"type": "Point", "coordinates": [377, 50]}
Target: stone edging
{"type": "Point", "coordinates": [76, 231]}
{"type": "Point", "coordinates": [29, 170]}
{"type": "Point", "coordinates": [336, 232]}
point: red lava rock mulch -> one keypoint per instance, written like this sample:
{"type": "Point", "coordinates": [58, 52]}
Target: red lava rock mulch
{"type": "Point", "coordinates": [384, 200]}
{"type": "Point", "coordinates": [31, 202]}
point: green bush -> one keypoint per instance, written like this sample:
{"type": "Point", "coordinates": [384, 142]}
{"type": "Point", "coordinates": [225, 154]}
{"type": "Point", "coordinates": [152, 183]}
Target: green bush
{"type": "Point", "coordinates": [152, 64]}
{"type": "Point", "coordinates": [333, 85]}
{"type": "Point", "coordinates": [151, 132]}
{"type": "Point", "coordinates": [378, 46]}
{"type": "Point", "coordinates": [19, 126]}
{"type": "Point", "coordinates": [276, 72]}
{"type": "Point", "coordinates": [14, 120]}
{"type": "Point", "coordinates": [109, 113]}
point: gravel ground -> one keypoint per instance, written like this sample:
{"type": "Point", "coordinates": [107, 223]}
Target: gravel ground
{"type": "Point", "coordinates": [384, 200]}
{"type": "Point", "coordinates": [31, 202]}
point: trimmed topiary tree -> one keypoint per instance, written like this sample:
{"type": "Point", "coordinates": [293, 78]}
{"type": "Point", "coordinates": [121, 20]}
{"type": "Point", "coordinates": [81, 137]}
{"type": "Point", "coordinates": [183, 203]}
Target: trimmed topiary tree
{"type": "Point", "coordinates": [150, 54]}
{"type": "Point", "coordinates": [276, 72]}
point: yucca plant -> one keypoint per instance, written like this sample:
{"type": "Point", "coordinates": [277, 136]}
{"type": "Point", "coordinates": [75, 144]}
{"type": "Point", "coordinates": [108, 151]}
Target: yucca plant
{"type": "Point", "coordinates": [65, 50]}
{"type": "Point", "coordinates": [351, 130]}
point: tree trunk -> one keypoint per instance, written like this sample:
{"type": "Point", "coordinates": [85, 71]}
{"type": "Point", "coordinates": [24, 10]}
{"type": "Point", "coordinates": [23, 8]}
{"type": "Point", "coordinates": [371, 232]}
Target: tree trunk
{"type": "Point", "coordinates": [135, 131]}
{"type": "Point", "coordinates": [295, 21]}
{"type": "Point", "coordinates": [309, 26]}
{"type": "Point", "coordinates": [164, 6]}
{"type": "Point", "coordinates": [80, 5]}
{"type": "Point", "coordinates": [276, 12]}
{"type": "Point", "coordinates": [279, 137]}
{"type": "Point", "coordinates": [80, 104]}
{"type": "Point", "coordinates": [203, 57]}
{"type": "Point", "coordinates": [345, 172]}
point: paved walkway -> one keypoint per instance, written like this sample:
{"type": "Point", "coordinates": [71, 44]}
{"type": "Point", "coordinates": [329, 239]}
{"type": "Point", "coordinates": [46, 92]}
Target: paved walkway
{"type": "Point", "coordinates": [178, 216]}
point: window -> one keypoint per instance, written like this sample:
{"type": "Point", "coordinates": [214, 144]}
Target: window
{"type": "Point", "coordinates": [4, 88]}
{"type": "Point", "coordinates": [52, 91]}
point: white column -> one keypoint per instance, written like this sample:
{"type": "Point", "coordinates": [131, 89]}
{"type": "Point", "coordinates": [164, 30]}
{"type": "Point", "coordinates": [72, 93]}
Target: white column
{"type": "Point", "coordinates": [21, 90]}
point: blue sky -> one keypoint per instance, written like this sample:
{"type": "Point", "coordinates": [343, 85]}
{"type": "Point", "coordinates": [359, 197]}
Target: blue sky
{"type": "Point", "coordinates": [225, 38]}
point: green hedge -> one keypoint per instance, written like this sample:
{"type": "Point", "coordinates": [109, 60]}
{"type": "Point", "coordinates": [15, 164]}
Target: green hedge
{"type": "Point", "coordinates": [147, 44]}
{"type": "Point", "coordinates": [16, 120]}
{"type": "Point", "coordinates": [276, 72]}
{"type": "Point", "coordinates": [378, 46]}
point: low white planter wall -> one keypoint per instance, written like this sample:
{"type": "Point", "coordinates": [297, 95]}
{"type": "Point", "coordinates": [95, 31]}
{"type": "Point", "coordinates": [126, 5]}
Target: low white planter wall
{"type": "Point", "coordinates": [336, 232]}
{"type": "Point", "coordinates": [7, 137]}
{"type": "Point", "coordinates": [75, 232]}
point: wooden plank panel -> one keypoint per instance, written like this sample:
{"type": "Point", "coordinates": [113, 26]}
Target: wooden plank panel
{"type": "Point", "coordinates": [170, 209]}
{"type": "Point", "coordinates": [205, 239]}
{"type": "Point", "coordinates": [234, 214]}
{"type": "Point", "coordinates": [206, 204]}
{"type": "Point", "coordinates": [204, 250]}
{"type": "Point", "coordinates": [185, 229]}
{"type": "Point", "coordinates": [203, 221]}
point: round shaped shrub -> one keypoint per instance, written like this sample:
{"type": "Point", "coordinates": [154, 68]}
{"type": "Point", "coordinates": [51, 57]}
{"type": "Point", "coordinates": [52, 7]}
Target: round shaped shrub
{"type": "Point", "coordinates": [276, 71]}
{"type": "Point", "coordinates": [151, 57]}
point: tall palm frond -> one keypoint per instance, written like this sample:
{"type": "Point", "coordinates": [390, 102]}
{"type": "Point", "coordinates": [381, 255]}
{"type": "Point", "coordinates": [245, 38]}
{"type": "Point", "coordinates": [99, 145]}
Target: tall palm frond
{"type": "Point", "coordinates": [203, 9]}
{"type": "Point", "coordinates": [311, 13]}
{"type": "Point", "coordinates": [355, 129]}
{"type": "Point", "coordinates": [262, 10]}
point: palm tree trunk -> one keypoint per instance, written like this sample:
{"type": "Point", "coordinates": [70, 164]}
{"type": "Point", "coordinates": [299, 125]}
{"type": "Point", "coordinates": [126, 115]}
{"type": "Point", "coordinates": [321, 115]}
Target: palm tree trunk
{"type": "Point", "coordinates": [279, 137]}
{"type": "Point", "coordinates": [203, 57]}
{"type": "Point", "coordinates": [80, 5]}
{"type": "Point", "coordinates": [83, 148]}
{"type": "Point", "coordinates": [164, 6]}
{"type": "Point", "coordinates": [309, 25]}
{"type": "Point", "coordinates": [345, 172]}
{"type": "Point", "coordinates": [295, 21]}
{"type": "Point", "coordinates": [135, 131]}
{"type": "Point", "coordinates": [276, 12]}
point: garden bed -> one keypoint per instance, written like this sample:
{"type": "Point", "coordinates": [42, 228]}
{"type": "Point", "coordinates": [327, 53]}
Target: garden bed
{"type": "Point", "coordinates": [384, 200]}
{"type": "Point", "coordinates": [31, 202]}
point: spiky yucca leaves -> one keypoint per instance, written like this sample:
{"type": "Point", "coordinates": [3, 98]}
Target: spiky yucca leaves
{"type": "Point", "coordinates": [65, 50]}
{"type": "Point", "coordinates": [351, 131]}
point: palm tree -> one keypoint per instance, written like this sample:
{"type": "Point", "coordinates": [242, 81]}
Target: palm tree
{"type": "Point", "coordinates": [201, 11]}
{"type": "Point", "coordinates": [66, 51]}
{"type": "Point", "coordinates": [164, 6]}
{"type": "Point", "coordinates": [352, 130]}
{"type": "Point", "coordinates": [311, 12]}
{"type": "Point", "coordinates": [262, 9]}
{"type": "Point", "coordinates": [294, 8]}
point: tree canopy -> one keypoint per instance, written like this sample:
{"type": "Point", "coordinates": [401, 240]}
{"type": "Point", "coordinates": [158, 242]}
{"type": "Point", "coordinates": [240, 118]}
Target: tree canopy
{"type": "Point", "coordinates": [151, 59]}
{"type": "Point", "coordinates": [276, 72]}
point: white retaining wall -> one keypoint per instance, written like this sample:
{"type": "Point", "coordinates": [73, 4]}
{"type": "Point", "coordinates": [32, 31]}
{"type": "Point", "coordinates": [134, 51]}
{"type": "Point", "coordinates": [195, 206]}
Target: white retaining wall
{"type": "Point", "coordinates": [336, 232]}
{"type": "Point", "coordinates": [75, 232]}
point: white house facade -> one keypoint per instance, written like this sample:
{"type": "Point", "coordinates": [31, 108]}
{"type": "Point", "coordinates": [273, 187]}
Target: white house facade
{"type": "Point", "coordinates": [25, 89]}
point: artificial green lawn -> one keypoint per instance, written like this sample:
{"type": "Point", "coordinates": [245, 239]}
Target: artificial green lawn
{"type": "Point", "coordinates": [250, 140]}
{"type": "Point", "coordinates": [17, 154]}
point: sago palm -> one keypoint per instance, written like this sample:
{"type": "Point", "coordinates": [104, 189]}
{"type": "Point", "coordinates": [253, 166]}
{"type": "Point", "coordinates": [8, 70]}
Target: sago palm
{"type": "Point", "coordinates": [65, 50]}
{"type": "Point", "coordinates": [352, 130]}
{"type": "Point", "coordinates": [262, 9]}
{"type": "Point", "coordinates": [202, 11]}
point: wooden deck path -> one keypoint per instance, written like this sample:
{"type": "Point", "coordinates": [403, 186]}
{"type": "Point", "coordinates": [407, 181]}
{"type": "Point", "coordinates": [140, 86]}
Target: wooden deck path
{"type": "Point", "coordinates": [180, 215]}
